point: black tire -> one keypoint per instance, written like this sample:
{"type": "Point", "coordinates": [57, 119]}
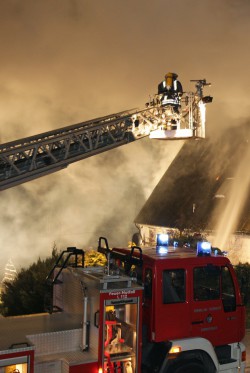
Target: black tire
{"type": "Point", "coordinates": [189, 367]}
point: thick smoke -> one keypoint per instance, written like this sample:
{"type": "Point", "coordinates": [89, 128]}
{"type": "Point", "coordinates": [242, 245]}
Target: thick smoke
{"type": "Point", "coordinates": [69, 62]}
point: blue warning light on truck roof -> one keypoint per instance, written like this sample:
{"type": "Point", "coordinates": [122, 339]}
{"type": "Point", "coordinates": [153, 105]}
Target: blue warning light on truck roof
{"type": "Point", "coordinates": [204, 248]}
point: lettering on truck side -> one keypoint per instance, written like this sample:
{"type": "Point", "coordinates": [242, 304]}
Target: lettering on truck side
{"type": "Point", "coordinates": [121, 294]}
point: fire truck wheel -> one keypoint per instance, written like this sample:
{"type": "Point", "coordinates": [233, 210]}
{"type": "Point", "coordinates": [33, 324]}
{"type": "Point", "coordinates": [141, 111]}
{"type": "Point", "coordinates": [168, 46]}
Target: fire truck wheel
{"type": "Point", "coordinates": [189, 367]}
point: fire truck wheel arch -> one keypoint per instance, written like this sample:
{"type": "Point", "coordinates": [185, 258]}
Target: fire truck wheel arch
{"type": "Point", "coordinates": [191, 362]}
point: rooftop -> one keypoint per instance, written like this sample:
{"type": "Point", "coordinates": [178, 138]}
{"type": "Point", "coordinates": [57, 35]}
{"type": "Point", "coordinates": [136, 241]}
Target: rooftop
{"type": "Point", "coordinates": [197, 184]}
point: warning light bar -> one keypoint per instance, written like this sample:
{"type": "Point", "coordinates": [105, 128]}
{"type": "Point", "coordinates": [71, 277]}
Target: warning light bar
{"type": "Point", "coordinates": [162, 240]}
{"type": "Point", "coordinates": [204, 248]}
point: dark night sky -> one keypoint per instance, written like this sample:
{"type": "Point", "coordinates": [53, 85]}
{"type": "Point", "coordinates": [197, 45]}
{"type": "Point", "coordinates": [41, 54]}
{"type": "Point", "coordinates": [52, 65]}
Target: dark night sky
{"type": "Point", "coordinates": [63, 62]}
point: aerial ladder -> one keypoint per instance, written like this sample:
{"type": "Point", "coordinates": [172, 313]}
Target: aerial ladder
{"type": "Point", "coordinates": [35, 156]}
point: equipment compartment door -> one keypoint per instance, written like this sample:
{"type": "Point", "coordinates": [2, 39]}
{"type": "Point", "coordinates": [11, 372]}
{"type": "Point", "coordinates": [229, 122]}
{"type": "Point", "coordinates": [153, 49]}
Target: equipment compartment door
{"type": "Point", "coordinates": [120, 335]}
{"type": "Point", "coordinates": [18, 362]}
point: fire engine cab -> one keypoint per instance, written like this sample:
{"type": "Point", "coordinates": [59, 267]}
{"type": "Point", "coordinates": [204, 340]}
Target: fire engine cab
{"type": "Point", "coordinates": [193, 319]}
{"type": "Point", "coordinates": [155, 309]}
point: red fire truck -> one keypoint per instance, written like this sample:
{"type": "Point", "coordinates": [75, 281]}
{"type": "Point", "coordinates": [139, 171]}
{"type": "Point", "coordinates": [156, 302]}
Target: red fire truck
{"type": "Point", "coordinates": [192, 318]}
{"type": "Point", "coordinates": [155, 309]}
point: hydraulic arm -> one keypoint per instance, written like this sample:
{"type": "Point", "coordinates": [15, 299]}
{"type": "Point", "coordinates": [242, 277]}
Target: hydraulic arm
{"type": "Point", "coordinates": [32, 157]}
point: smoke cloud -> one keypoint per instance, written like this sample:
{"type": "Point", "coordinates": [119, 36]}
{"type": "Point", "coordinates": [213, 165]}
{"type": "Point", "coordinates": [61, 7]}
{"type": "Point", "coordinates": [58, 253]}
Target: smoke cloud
{"type": "Point", "coordinates": [67, 62]}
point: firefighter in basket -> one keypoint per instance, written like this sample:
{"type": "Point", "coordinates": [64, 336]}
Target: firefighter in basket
{"type": "Point", "coordinates": [170, 91]}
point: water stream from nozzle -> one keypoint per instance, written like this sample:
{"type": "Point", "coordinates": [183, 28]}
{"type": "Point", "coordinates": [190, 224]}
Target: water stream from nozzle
{"type": "Point", "coordinates": [238, 194]}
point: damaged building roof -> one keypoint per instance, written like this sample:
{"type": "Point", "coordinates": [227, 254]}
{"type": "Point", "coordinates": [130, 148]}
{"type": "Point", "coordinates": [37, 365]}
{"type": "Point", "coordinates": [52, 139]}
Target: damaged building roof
{"type": "Point", "coordinates": [198, 184]}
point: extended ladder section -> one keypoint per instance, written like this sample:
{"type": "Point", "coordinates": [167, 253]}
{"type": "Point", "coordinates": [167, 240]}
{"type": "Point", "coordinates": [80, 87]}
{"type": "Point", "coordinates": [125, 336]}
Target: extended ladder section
{"type": "Point", "coordinates": [32, 157]}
